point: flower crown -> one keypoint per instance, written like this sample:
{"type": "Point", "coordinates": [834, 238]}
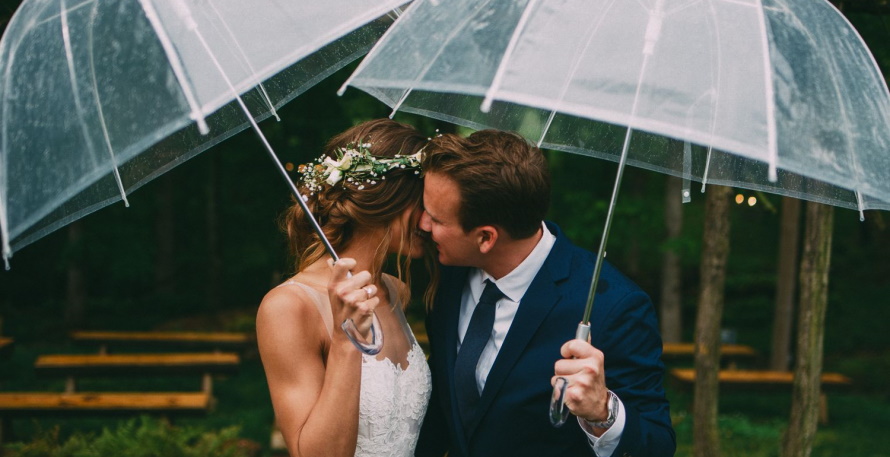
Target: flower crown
{"type": "Point", "coordinates": [355, 163]}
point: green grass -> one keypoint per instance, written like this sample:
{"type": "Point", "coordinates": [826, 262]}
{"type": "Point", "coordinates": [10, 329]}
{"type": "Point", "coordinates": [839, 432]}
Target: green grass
{"type": "Point", "coordinates": [751, 422]}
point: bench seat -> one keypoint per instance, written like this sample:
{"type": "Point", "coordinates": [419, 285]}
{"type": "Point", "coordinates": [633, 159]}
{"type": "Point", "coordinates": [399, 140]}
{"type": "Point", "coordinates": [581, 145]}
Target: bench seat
{"type": "Point", "coordinates": [6, 345]}
{"type": "Point", "coordinates": [206, 340]}
{"type": "Point", "coordinates": [129, 364]}
{"type": "Point", "coordinates": [37, 403]}
{"type": "Point", "coordinates": [764, 378]}
{"type": "Point", "coordinates": [726, 350]}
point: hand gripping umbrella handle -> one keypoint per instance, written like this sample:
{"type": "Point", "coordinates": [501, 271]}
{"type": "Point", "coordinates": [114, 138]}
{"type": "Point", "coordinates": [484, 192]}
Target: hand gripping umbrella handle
{"type": "Point", "coordinates": [558, 411]}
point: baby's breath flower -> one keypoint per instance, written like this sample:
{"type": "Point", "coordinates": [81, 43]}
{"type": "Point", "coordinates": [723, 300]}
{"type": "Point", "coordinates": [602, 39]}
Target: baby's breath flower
{"type": "Point", "coordinates": [357, 165]}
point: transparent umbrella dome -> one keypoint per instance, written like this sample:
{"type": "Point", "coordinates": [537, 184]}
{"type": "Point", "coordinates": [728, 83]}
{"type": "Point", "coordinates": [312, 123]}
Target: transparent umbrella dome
{"type": "Point", "coordinates": [775, 95]}
{"type": "Point", "coordinates": [97, 97]}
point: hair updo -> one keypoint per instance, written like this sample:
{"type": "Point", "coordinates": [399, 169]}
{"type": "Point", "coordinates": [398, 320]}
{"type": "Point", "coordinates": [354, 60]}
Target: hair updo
{"type": "Point", "coordinates": [342, 209]}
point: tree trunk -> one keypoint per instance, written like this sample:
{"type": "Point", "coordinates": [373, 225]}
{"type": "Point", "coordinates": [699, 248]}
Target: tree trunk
{"type": "Point", "coordinates": [165, 270]}
{"type": "Point", "coordinates": [715, 252]}
{"type": "Point", "coordinates": [671, 300]}
{"type": "Point", "coordinates": [814, 266]}
{"type": "Point", "coordinates": [75, 289]}
{"type": "Point", "coordinates": [214, 250]}
{"type": "Point", "coordinates": [786, 276]}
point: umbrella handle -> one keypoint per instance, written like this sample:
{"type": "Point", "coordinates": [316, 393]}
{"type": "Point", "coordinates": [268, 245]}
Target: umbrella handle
{"type": "Point", "coordinates": [371, 348]}
{"type": "Point", "coordinates": [559, 413]}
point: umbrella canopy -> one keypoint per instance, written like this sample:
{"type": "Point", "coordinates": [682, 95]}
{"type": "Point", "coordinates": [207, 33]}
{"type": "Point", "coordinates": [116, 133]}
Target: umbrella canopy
{"type": "Point", "coordinates": [775, 95]}
{"type": "Point", "coordinates": [97, 97]}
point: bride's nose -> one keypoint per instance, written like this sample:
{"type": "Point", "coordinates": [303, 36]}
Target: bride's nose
{"type": "Point", "coordinates": [425, 222]}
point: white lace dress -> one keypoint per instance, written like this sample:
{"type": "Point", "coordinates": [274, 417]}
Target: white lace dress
{"type": "Point", "coordinates": [393, 398]}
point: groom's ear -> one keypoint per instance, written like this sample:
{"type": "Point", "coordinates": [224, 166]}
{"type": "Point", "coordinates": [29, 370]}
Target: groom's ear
{"type": "Point", "coordinates": [486, 238]}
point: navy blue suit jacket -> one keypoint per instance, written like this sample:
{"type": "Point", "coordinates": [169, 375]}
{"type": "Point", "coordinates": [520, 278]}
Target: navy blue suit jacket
{"type": "Point", "coordinates": [513, 419]}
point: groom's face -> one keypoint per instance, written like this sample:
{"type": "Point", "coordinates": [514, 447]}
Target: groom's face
{"type": "Point", "coordinates": [441, 201]}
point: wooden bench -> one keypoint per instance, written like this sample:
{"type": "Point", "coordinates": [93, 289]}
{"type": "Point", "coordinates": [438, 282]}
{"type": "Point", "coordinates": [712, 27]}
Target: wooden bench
{"type": "Point", "coordinates": [217, 341]}
{"type": "Point", "coordinates": [736, 379]}
{"type": "Point", "coordinates": [73, 365]}
{"type": "Point", "coordinates": [38, 403]}
{"type": "Point", "coordinates": [71, 401]}
{"type": "Point", "coordinates": [6, 345]}
{"type": "Point", "coordinates": [730, 352]}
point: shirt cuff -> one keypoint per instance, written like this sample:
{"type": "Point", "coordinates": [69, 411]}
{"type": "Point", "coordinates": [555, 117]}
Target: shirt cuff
{"type": "Point", "coordinates": [606, 444]}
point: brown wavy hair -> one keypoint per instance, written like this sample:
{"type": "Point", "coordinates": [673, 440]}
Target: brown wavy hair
{"type": "Point", "coordinates": [343, 209]}
{"type": "Point", "coordinates": [502, 177]}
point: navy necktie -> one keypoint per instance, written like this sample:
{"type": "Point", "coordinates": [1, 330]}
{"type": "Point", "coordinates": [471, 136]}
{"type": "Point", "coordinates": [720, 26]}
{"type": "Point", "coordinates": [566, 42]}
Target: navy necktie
{"type": "Point", "coordinates": [477, 336]}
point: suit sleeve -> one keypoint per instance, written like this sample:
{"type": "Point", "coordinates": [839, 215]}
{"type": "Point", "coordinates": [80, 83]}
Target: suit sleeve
{"type": "Point", "coordinates": [632, 347]}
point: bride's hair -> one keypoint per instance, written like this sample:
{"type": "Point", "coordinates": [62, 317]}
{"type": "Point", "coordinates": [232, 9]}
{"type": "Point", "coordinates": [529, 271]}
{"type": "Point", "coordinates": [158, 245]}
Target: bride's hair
{"type": "Point", "coordinates": [343, 208]}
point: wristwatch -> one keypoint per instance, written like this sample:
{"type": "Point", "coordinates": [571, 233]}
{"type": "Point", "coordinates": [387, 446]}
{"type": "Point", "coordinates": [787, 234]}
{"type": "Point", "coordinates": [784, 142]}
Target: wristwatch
{"type": "Point", "coordinates": [613, 413]}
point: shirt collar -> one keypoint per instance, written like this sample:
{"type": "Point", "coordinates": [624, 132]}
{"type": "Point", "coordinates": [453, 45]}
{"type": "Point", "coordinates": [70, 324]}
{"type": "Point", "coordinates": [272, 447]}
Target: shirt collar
{"type": "Point", "coordinates": [516, 283]}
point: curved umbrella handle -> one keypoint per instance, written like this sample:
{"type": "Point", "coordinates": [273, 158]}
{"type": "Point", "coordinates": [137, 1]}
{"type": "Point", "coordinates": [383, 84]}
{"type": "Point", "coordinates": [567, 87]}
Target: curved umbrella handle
{"type": "Point", "coordinates": [558, 411]}
{"type": "Point", "coordinates": [371, 348]}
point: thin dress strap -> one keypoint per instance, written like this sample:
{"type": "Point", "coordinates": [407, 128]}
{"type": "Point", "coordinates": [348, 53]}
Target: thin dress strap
{"type": "Point", "coordinates": [321, 303]}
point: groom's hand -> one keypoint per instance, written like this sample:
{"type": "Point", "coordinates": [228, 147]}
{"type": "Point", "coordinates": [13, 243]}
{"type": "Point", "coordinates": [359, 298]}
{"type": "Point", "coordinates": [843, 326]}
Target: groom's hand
{"type": "Point", "coordinates": [583, 367]}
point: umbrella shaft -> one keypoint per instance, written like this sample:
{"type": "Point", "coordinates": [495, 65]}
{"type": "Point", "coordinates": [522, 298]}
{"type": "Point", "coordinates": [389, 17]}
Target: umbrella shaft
{"type": "Point", "coordinates": [256, 128]}
{"type": "Point", "coordinates": [602, 251]}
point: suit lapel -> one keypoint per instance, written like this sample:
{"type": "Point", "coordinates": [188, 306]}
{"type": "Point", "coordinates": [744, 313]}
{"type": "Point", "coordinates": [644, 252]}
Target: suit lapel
{"type": "Point", "coordinates": [541, 296]}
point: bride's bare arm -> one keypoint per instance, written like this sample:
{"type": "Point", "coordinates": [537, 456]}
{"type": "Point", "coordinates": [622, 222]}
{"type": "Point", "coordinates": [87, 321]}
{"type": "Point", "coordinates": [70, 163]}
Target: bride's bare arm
{"type": "Point", "coordinates": [316, 401]}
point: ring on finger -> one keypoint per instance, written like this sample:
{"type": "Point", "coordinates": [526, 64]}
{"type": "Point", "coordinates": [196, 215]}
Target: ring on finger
{"type": "Point", "coordinates": [368, 291]}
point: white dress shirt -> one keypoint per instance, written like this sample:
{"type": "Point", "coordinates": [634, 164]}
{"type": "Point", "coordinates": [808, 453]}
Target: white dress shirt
{"type": "Point", "coordinates": [514, 285]}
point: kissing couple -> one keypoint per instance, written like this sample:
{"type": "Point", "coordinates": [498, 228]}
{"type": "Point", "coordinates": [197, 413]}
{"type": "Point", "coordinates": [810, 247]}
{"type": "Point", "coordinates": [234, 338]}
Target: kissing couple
{"type": "Point", "coordinates": [507, 290]}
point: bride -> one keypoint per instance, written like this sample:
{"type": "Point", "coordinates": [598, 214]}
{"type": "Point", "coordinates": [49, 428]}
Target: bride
{"type": "Point", "coordinates": [329, 398]}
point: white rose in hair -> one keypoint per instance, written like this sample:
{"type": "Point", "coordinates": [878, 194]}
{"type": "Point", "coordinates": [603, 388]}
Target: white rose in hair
{"type": "Point", "coordinates": [334, 177]}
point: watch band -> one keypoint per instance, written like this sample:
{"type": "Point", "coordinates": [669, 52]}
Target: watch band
{"type": "Point", "coordinates": [613, 413]}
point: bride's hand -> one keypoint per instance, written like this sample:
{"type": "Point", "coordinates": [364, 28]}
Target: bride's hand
{"type": "Point", "coordinates": [352, 297]}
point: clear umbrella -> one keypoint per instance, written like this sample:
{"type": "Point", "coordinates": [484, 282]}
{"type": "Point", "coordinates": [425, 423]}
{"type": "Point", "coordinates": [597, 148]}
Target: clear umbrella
{"type": "Point", "coordinates": [781, 96]}
{"type": "Point", "coordinates": [98, 97]}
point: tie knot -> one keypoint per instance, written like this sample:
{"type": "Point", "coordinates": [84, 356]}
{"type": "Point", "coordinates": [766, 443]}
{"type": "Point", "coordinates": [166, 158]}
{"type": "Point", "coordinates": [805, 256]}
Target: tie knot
{"type": "Point", "coordinates": [491, 294]}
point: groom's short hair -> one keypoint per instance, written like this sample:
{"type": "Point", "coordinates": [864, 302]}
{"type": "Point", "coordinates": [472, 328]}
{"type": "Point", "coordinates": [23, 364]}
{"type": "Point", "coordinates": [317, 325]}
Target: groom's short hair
{"type": "Point", "coordinates": [503, 179]}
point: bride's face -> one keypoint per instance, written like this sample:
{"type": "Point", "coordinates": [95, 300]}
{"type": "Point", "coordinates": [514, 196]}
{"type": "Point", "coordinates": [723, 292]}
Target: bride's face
{"type": "Point", "coordinates": [407, 223]}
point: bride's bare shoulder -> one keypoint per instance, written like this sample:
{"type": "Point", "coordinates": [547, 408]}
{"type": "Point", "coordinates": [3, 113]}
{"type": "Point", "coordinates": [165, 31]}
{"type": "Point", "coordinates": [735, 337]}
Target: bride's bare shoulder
{"type": "Point", "coordinates": [288, 302]}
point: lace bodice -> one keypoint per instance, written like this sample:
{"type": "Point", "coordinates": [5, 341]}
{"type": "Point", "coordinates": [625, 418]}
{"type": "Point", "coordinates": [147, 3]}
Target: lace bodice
{"type": "Point", "coordinates": [393, 403]}
{"type": "Point", "coordinates": [393, 397]}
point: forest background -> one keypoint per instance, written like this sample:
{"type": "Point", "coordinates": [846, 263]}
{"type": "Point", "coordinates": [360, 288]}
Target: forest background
{"type": "Point", "coordinates": [199, 247]}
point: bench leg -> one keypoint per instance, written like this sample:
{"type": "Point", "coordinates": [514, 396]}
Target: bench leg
{"type": "Point", "coordinates": [207, 383]}
{"type": "Point", "coordinates": [823, 409]}
{"type": "Point", "coordinates": [70, 385]}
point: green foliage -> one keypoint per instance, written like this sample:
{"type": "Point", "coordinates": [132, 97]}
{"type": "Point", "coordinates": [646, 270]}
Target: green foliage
{"type": "Point", "coordinates": [143, 437]}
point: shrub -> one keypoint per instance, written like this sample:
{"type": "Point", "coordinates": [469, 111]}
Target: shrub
{"type": "Point", "coordinates": [142, 437]}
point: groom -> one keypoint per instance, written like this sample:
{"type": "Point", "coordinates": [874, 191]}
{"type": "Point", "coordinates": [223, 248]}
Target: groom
{"type": "Point", "coordinates": [511, 293]}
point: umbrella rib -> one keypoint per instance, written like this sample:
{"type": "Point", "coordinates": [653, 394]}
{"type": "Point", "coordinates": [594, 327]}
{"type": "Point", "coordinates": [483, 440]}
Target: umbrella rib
{"type": "Point", "coordinates": [244, 56]}
{"type": "Point", "coordinates": [571, 74]}
{"type": "Point", "coordinates": [72, 78]}
{"type": "Point", "coordinates": [377, 46]}
{"type": "Point", "coordinates": [267, 146]}
{"type": "Point", "coordinates": [768, 93]}
{"type": "Point", "coordinates": [704, 178]}
{"type": "Point", "coordinates": [105, 135]}
{"type": "Point", "coordinates": [502, 67]}
{"type": "Point", "coordinates": [439, 52]}
{"type": "Point", "coordinates": [175, 65]}
{"type": "Point", "coordinates": [857, 167]}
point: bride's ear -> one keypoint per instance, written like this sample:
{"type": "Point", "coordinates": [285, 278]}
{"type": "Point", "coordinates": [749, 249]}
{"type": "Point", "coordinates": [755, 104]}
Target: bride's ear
{"type": "Point", "coordinates": [486, 238]}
